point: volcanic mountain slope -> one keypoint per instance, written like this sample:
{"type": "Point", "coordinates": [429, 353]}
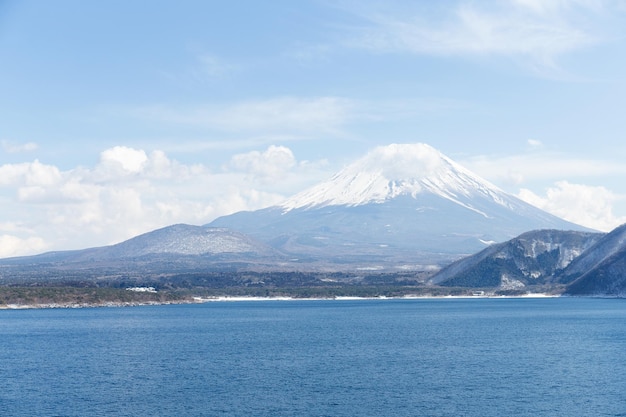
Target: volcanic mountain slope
{"type": "Point", "coordinates": [532, 258]}
{"type": "Point", "coordinates": [184, 239]}
{"type": "Point", "coordinates": [398, 204]}
{"type": "Point", "coordinates": [174, 248]}
{"type": "Point", "coordinates": [176, 240]}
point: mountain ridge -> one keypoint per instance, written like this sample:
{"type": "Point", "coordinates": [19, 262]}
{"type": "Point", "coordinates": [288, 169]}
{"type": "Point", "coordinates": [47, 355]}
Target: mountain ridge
{"type": "Point", "coordinates": [531, 259]}
{"type": "Point", "coordinates": [401, 201]}
{"type": "Point", "coordinates": [601, 270]}
{"type": "Point", "coordinates": [578, 263]}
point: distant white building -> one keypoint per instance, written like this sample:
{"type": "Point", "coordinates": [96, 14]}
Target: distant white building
{"type": "Point", "coordinates": [142, 289]}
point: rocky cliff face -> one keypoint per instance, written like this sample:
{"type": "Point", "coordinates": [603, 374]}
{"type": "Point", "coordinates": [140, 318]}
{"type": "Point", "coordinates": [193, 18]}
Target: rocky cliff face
{"type": "Point", "coordinates": [601, 270]}
{"type": "Point", "coordinates": [533, 258]}
{"type": "Point", "coordinates": [581, 263]}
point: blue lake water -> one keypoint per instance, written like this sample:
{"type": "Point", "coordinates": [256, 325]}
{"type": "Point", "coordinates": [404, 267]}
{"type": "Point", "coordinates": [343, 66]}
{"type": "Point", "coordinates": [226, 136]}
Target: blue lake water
{"type": "Point", "coordinates": [441, 357]}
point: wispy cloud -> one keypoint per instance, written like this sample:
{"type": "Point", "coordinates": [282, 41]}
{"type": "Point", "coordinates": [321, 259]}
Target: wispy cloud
{"type": "Point", "coordinates": [201, 68]}
{"type": "Point", "coordinates": [535, 32]}
{"type": "Point", "coordinates": [209, 65]}
{"type": "Point", "coordinates": [279, 115]}
{"type": "Point", "coordinates": [535, 144]}
{"type": "Point", "coordinates": [544, 166]}
{"type": "Point", "coordinates": [293, 118]}
{"type": "Point", "coordinates": [12, 147]}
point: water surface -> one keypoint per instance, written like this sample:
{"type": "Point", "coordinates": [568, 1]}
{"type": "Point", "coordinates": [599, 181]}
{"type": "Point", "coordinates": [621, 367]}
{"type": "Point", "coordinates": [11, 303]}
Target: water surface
{"type": "Point", "coordinates": [439, 357]}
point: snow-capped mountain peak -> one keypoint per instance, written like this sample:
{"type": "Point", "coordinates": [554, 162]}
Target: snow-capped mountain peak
{"type": "Point", "coordinates": [398, 201]}
{"type": "Point", "coordinates": [397, 170]}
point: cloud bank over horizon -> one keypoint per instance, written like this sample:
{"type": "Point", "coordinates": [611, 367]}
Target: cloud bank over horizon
{"type": "Point", "coordinates": [132, 191]}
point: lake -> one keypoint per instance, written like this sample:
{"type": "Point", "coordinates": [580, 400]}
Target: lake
{"type": "Point", "coordinates": [423, 357]}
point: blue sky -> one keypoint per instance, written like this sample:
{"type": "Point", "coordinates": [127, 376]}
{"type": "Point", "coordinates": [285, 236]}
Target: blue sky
{"type": "Point", "coordinates": [119, 117]}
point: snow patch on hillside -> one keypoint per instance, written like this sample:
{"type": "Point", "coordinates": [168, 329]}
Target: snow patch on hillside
{"type": "Point", "coordinates": [188, 240]}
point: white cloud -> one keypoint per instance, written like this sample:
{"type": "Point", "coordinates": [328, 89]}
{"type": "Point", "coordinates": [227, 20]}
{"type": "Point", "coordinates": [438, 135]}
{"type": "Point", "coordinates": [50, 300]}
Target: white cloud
{"type": "Point", "coordinates": [586, 205]}
{"type": "Point", "coordinates": [9, 227]}
{"type": "Point", "coordinates": [131, 191]}
{"type": "Point", "coordinates": [122, 163]}
{"type": "Point", "coordinates": [158, 165]}
{"type": "Point", "coordinates": [14, 246]}
{"type": "Point", "coordinates": [268, 165]}
{"type": "Point", "coordinates": [32, 194]}
{"type": "Point", "coordinates": [535, 144]}
{"type": "Point", "coordinates": [129, 159]}
{"type": "Point", "coordinates": [29, 173]}
{"type": "Point", "coordinates": [402, 160]}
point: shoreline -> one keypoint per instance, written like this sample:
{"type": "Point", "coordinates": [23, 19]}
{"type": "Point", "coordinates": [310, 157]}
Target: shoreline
{"type": "Point", "coordinates": [228, 299]}
{"type": "Point", "coordinates": [43, 306]}
{"type": "Point", "coordinates": [201, 300]}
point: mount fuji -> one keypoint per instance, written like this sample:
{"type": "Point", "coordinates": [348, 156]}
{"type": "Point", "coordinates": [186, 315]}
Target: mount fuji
{"type": "Point", "coordinates": [402, 205]}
